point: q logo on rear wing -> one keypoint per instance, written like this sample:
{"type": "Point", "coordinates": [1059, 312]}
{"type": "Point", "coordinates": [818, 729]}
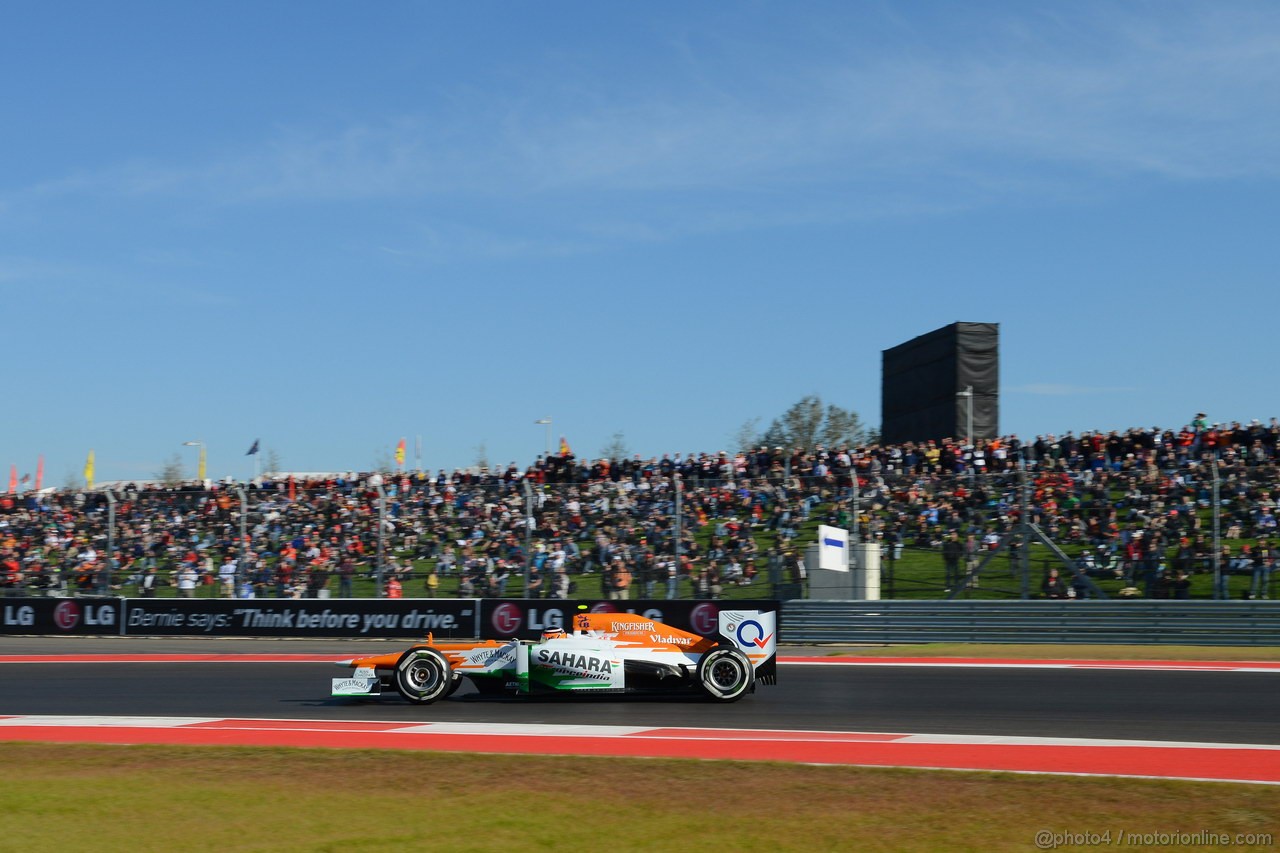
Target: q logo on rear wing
{"type": "Point", "coordinates": [751, 633]}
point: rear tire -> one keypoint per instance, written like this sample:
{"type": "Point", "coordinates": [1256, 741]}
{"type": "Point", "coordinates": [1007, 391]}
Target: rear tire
{"type": "Point", "coordinates": [725, 674]}
{"type": "Point", "coordinates": [423, 676]}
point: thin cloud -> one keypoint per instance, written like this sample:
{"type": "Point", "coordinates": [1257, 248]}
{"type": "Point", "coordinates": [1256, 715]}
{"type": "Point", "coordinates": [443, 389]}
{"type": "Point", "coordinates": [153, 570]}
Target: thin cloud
{"type": "Point", "coordinates": [1041, 106]}
{"type": "Point", "coordinates": [1054, 389]}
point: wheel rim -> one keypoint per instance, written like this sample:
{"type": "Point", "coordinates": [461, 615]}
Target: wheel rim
{"type": "Point", "coordinates": [726, 674]}
{"type": "Point", "coordinates": [421, 676]}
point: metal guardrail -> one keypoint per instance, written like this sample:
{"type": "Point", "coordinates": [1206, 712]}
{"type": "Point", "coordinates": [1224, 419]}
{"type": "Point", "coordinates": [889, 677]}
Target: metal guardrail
{"type": "Point", "coordinates": [1190, 623]}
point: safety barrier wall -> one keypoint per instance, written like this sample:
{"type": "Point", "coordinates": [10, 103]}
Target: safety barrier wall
{"type": "Point", "coordinates": [1199, 623]}
{"type": "Point", "coordinates": [1190, 623]}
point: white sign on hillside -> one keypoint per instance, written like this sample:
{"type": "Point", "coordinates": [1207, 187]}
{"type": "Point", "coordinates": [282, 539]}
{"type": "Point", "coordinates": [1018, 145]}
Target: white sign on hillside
{"type": "Point", "coordinates": [833, 548]}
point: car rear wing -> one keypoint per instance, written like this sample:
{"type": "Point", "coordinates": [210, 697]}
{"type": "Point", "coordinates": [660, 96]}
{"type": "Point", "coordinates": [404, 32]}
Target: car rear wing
{"type": "Point", "coordinates": [755, 633]}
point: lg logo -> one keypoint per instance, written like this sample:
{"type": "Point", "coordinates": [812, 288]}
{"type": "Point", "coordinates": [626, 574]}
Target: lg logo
{"type": "Point", "coordinates": [66, 615]}
{"type": "Point", "coordinates": [704, 619]}
{"type": "Point", "coordinates": [507, 619]}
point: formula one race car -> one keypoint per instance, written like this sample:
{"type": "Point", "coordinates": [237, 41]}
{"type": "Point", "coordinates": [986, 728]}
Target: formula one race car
{"type": "Point", "coordinates": [606, 653]}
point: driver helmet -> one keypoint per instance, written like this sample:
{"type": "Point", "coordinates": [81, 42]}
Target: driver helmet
{"type": "Point", "coordinates": [553, 634]}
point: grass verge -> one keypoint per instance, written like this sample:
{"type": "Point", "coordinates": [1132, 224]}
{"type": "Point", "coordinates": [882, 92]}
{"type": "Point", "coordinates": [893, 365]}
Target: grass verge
{"type": "Point", "coordinates": [82, 797]}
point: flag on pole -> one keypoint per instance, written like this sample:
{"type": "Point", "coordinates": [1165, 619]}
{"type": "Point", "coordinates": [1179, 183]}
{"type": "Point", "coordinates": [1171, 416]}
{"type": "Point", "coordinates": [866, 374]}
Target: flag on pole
{"type": "Point", "coordinates": [13, 479]}
{"type": "Point", "coordinates": [400, 454]}
{"type": "Point", "coordinates": [88, 471]}
{"type": "Point", "coordinates": [200, 471]}
{"type": "Point", "coordinates": [564, 447]}
{"type": "Point", "coordinates": [40, 472]}
{"type": "Point", "coordinates": [293, 489]}
{"type": "Point", "coordinates": [253, 450]}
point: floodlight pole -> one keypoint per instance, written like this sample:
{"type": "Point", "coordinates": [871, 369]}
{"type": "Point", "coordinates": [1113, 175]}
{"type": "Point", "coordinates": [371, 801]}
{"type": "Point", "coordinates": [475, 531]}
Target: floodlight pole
{"type": "Point", "coordinates": [547, 423]}
{"type": "Point", "coordinates": [202, 458]}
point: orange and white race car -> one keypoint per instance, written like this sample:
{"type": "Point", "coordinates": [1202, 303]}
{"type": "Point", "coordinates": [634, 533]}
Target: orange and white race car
{"type": "Point", "coordinates": [605, 653]}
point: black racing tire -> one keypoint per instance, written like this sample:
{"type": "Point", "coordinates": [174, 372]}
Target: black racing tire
{"type": "Point", "coordinates": [423, 676]}
{"type": "Point", "coordinates": [725, 674]}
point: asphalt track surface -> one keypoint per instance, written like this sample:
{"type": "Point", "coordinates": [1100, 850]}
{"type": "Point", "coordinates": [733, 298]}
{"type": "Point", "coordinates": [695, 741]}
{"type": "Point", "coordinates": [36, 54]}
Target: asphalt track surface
{"type": "Point", "coordinates": [1218, 707]}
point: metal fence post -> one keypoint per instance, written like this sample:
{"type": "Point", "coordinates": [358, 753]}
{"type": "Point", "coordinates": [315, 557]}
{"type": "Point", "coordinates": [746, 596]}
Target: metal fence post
{"type": "Point", "coordinates": [1024, 509]}
{"type": "Point", "coordinates": [382, 533]}
{"type": "Point", "coordinates": [679, 487]}
{"type": "Point", "coordinates": [104, 584]}
{"type": "Point", "coordinates": [855, 536]}
{"type": "Point", "coordinates": [528, 535]}
{"type": "Point", "coordinates": [1217, 532]}
{"type": "Point", "coordinates": [244, 536]}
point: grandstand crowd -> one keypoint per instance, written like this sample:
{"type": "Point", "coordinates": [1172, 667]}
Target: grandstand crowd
{"type": "Point", "coordinates": [1130, 505]}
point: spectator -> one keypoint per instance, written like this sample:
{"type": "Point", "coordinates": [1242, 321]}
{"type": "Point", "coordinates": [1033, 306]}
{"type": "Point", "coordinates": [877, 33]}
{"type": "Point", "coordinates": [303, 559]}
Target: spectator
{"type": "Point", "coordinates": [346, 577]}
{"type": "Point", "coordinates": [187, 579]}
{"type": "Point", "coordinates": [1095, 492]}
{"type": "Point", "coordinates": [1053, 586]}
{"type": "Point", "coordinates": [227, 578]}
{"type": "Point", "coordinates": [617, 580]}
{"type": "Point", "coordinates": [1081, 586]}
{"type": "Point", "coordinates": [1262, 565]}
{"type": "Point", "coordinates": [561, 585]}
{"type": "Point", "coordinates": [147, 583]}
{"type": "Point", "coordinates": [972, 559]}
{"type": "Point", "coordinates": [953, 551]}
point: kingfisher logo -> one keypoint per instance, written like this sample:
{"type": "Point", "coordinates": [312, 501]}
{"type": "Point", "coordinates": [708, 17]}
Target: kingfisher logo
{"type": "Point", "coordinates": [751, 633]}
{"type": "Point", "coordinates": [704, 618]}
{"type": "Point", "coordinates": [66, 615]}
{"type": "Point", "coordinates": [507, 619]}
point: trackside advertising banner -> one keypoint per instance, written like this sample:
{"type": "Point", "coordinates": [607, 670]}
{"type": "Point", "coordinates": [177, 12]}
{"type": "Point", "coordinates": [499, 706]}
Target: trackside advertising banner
{"type": "Point", "coordinates": [60, 616]}
{"type": "Point", "coordinates": [343, 617]}
{"type": "Point", "coordinates": [498, 619]}
{"type": "Point", "coordinates": [526, 619]}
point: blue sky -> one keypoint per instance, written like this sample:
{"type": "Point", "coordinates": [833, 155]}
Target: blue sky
{"type": "Point", "coordinates": [331, 225]}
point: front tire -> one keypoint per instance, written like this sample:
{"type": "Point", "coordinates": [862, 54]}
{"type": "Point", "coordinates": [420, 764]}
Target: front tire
{"type": "Point", "coordinates": [423, 676]}
{"type": "Point", "coordinates": [725, 674]}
